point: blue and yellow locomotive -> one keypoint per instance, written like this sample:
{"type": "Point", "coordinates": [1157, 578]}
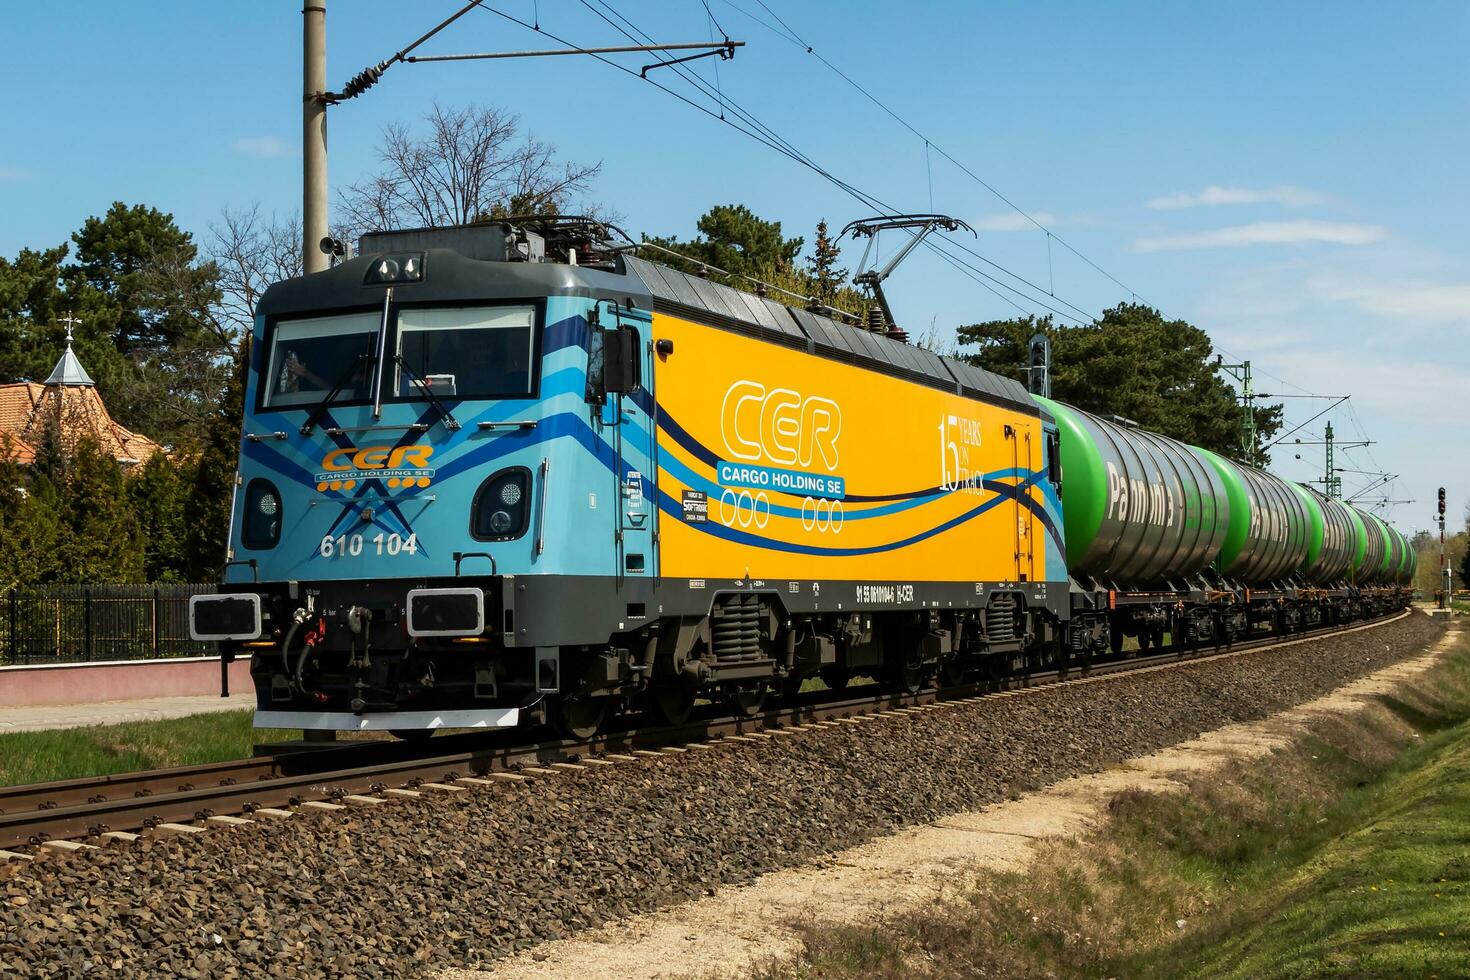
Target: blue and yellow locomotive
{"type": "Point", "coordinates": [507, 472]}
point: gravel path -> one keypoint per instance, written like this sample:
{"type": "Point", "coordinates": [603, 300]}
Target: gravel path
{"type": "Point", "coordinates": [438, 882]}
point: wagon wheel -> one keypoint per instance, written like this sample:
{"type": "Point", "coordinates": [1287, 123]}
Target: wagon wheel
{"type": "Point", "coordinates": [580, 718]}
{"type": "Point", "coordinates": [836, 678]}
{"type": "Point", "coordinates": [907, 678]}
{"type": "Point", "coordinates": [952, 671]}
{"type": "Point", "coordinates": [674, 701]}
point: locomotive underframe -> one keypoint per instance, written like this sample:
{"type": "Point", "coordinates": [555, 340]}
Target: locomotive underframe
{"type": "Point", "coordinates": [351, 655]}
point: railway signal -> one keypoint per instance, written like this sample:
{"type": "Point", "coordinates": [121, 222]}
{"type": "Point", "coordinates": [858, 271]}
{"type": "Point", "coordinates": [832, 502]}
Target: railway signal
{"type": "Point", "coordinates": [1444, 565]}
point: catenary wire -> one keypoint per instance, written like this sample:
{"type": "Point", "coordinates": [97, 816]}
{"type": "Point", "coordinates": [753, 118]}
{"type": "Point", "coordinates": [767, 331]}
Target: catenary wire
{"type": "Point", "coordinates": [799, 41]}
{"type": "Point", "coordinates": [751, 126]}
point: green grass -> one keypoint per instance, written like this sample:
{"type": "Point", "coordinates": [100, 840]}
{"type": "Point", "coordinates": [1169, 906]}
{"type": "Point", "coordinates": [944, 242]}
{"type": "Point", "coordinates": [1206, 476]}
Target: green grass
{"type": "Point", "coordinates": [1345, 854]}
{"type": "Point", "coordinates": [34, 757]}
{"type": "Point", "coordinates": [1390, 897]}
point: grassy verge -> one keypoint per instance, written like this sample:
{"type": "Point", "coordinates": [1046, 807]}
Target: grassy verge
{"type": "Point", "coordinates": [33, 757]}
{"type": "Point", "coordinates": [1346, 854]}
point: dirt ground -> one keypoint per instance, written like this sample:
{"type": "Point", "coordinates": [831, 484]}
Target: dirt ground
{"type": "Point", "coordinates": [734, 929]}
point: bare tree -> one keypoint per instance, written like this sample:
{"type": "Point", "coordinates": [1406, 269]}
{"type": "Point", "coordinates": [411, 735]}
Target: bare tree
{"type": "Point", "coordinates": [250, 251]}
{"type": "Point", "coordinates": [471, 166]}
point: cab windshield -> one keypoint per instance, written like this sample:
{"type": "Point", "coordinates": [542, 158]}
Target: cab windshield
{"type": "Point", "coordinates": [482, 352]}
{"type": "Point", "coordinates": [311, 357]}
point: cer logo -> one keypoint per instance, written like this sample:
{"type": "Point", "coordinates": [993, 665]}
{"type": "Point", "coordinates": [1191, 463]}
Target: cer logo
{"type": "Point", "coordinates": [377, 458]}
{"type": "Point", "coordinates": [405, 466]}
{"type": "Point", "coordinates": [780, 425]}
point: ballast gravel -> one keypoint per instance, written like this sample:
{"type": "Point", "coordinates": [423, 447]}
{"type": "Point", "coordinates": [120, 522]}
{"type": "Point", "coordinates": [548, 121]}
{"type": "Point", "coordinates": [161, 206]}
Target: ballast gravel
{"type": "Point", "coordinates": [461, 879]}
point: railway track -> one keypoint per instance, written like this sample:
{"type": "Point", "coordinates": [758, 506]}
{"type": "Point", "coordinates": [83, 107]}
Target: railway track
{"type": "Point", "coordinates": [181, 799]}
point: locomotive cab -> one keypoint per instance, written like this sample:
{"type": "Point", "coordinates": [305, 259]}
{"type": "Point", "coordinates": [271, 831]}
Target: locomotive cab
{"type": "Point", "coordinates": [406, 492]}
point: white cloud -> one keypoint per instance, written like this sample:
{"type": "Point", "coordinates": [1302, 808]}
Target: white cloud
{"type": "Point", "coordinates": [1292, 197]}
{"type": "Point", "coordinates": [1265, 233]}
{"type": "Point", "coordinates": [268, 147]}
{"type": "Point", "coordinates": [1413, 299]}
{"type": "Point", "coordinates": [1014, 221]}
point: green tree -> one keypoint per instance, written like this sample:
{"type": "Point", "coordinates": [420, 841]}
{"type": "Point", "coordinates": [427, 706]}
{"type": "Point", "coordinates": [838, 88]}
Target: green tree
{"type": "Point", "coordinates": [101, 540]}
{"type": "Point", "coordinates": [1133, 363]}
{"type": "Point", "coordinates": [133, 255]}
{"type": "Point", "coordinates": [822, 267]}
{"type": "Point", "coordinates": [158, 494]}
{"type": "Point", "coordinates": [207, 509]}
{"type": "Point", "coordinates": [31, 528]}
{"type": "Point", "coordinates": [733, 238]}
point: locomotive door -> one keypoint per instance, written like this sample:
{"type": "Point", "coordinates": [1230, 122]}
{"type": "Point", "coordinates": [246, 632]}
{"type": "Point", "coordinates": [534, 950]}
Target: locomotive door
{"type": "Point", "coordinates": [632, 420]}
{"type": "Point", "coordinates": [1021, 470]}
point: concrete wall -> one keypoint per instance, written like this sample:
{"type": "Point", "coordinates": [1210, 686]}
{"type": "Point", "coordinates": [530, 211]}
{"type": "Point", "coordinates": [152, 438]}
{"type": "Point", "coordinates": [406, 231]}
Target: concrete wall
{"type": "Point", "coordinates": [117, 680]}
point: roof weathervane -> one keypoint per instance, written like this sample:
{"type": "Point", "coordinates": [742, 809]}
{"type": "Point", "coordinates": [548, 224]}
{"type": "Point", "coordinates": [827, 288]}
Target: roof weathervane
{"type": "Point", "coordinates": [69, 370]}
{"type": "Point", "coordinates": [70, 322]}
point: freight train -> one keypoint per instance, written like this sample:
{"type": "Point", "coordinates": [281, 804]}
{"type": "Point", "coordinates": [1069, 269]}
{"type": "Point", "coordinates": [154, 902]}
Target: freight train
{"type": "Point", "coordinates": [506, 473]}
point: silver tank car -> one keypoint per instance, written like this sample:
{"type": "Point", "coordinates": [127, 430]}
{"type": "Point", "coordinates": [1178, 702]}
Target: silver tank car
{"type": "Point", "coordinates": [1267, 539]}
{"type": "Point", "coordinates": [1139, 508]}
{"type": "Point", "coordinates": [1331, 541]}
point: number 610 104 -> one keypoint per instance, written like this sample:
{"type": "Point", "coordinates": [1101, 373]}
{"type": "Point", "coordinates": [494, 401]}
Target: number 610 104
{"type": "Point", "coordinates": [351, 545]}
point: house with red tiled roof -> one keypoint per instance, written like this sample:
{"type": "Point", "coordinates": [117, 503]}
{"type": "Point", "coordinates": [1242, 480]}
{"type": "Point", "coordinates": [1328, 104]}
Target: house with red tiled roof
{"type": "Point", "coordinates": [68, 399]}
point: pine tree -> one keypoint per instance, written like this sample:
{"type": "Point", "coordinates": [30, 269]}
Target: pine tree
{"type": "Point", "coordinates": [31, 529]}
{"type": "Point", "coordinates": [207, 511]}
{"type": "Point", "coordinates": [822, 265]}
{"type": "Point", "coordinates": [158, 493]}
{"type": "Point", "coordinates": [102, 542]}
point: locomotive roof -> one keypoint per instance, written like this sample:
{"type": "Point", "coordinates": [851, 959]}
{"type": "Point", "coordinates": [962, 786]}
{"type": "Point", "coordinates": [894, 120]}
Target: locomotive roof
{"type": "Point", "coordinates": [692, 297]}
{"type": "Point", "coordinates": [450, 276]}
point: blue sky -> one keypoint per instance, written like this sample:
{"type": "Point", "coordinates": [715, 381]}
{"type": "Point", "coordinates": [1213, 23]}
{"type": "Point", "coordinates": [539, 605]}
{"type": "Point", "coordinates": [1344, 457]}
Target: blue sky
{"type": "Point", "coordinates": [1288, 176]}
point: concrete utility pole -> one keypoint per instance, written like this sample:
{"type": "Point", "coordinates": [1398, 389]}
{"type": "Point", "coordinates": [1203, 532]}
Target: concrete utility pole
{"type": "Point", "coordinates": [314, 135]}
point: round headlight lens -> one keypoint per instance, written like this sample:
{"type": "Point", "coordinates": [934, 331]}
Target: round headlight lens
{"type": "Point", "coordinates": [510, 493]}
{"type": "Point", "coordinates": [500, 522]}
{"type": "Point", "coordinates": [268, 504]}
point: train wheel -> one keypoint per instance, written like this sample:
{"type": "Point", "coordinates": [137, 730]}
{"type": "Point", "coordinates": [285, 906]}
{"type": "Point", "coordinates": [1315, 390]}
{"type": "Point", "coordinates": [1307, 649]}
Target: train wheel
{"type": "Point", "coordinates": [1115, 639]}
{"type": "Point", "coordinates": [411, 734]}
{"type": "Point", "coordinates": [674, 703]}
{"type": "Point", "coordinates": [580, 717]}
{"type": "Point", "coordinates": [747, 702]}
{"type": "Point", "coordinates": [907, 679]}
{"type": "Point", "coordinates": [952, 671]}
{"type": "Point", "coordinates": [836, 678]}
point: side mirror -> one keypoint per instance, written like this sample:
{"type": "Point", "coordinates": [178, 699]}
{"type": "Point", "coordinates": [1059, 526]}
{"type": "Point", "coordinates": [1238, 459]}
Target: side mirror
{"type": "Point", "coordinates": [621, 366]}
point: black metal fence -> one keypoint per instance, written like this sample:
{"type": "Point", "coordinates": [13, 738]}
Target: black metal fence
{"type": "Point", "coordinates": [81, 623]}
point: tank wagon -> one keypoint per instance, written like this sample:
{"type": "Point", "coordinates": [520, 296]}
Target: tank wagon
{"type": "Point", "coordinates": [508, 473]}
{"type": "Point", "coordinates": [1166, 537]}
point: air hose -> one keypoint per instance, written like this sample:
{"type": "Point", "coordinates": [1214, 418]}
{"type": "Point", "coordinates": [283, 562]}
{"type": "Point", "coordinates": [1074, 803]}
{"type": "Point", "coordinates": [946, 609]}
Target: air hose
{"type": "Point", "coordinates": [313, 640]}
{"type": "Point", "coordinates": [297, 618]}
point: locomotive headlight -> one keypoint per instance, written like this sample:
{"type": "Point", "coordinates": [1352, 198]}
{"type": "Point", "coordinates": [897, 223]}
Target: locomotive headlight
{"type": "Point", "coordinates": [388, 270]}
{"type": "Point", "coordinates": [501, 509]}
{"type": "Point", "coordinates": [262, 510]}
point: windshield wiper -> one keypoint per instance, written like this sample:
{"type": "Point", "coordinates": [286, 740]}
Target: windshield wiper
{"type": "Point", "coordinates": [450, 422]}
{"type": "Point", "coordinates": [342, 379]}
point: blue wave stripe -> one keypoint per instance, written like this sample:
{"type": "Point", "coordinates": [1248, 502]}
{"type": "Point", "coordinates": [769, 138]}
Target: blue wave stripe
{"type": "Point", "coordinates": [674, 508]}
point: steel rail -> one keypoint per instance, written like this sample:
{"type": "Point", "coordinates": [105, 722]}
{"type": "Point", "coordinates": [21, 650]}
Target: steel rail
{"type": "Point", "coordinates": [85, 808]}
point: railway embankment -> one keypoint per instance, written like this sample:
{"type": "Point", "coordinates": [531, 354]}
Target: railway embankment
{"type": "Point", "coordinates": [1328, 840]}
{"type": "Point", "coordinates": [464, 879]}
